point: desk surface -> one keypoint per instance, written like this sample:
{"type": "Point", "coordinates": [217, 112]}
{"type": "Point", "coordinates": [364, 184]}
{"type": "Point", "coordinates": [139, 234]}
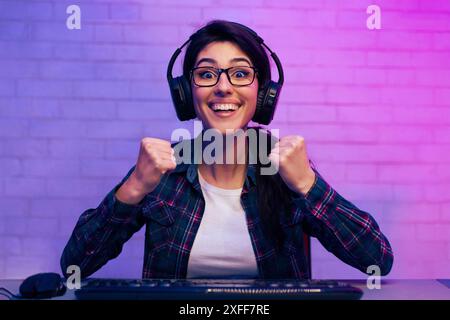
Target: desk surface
{"type": "Point", "coordinates": [390, 290]}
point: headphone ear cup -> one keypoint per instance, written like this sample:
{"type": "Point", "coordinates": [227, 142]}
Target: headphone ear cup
{"type": "Point", "coordinates": [260, 98]}
{"type": "Point", "coordinates": [189, 101]}
{"type": "Point", "coordinates": [266, 103]}
{"type": "Point", "coordinates": [182, 98]}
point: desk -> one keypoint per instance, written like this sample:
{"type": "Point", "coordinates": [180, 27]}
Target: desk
{"type": "Point", "coordinates": [390, 290]}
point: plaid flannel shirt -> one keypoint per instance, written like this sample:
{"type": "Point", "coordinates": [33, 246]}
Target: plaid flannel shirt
{"type": "Point", "coordinates": [172, 214]}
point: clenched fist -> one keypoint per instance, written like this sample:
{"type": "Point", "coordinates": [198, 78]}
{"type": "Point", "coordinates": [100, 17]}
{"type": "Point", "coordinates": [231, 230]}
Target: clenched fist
{"type": "Point", "coordinates": [156, 157]}
{"type": "Point", "coordinates": [289, 155]}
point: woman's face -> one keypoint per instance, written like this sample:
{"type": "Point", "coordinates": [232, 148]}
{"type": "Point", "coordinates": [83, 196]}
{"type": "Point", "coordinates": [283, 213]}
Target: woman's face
{"type": "Point", "coordinates": [224, 95]}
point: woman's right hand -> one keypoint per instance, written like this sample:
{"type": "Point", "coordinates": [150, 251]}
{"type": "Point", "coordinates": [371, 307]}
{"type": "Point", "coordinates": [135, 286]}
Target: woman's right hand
{"type": "Point", "coordinates": [156, 157]}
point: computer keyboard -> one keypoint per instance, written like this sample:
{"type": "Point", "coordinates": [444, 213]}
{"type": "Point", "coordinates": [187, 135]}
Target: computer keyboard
{"type": "Point", "coordinates": [215, 289]}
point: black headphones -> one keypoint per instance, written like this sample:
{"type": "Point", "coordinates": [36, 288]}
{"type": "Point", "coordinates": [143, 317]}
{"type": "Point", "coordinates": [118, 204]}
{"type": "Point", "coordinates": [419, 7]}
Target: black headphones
{"type": "Point", "coordinates": [180, 88]}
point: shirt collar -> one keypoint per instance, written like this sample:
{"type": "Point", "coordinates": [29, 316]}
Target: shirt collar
{"type": "Point", "coordinates": [190, 169]}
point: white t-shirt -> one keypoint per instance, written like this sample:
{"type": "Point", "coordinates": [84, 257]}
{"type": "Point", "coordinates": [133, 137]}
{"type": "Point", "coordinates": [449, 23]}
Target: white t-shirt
{"type": "Point", "coordinates": [222, 245]}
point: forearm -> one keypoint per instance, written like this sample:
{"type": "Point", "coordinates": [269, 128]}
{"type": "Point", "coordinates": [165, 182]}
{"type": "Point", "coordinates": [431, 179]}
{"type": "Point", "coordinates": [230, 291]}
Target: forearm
{"type": "Point", "coordinates": [305, 185]}
{"type": "Point", "coordinates": [131, 191]}
{"type": "Point", "coordinates": [100, 234]}
{"type": "Point", "coordinates": [348, 232]}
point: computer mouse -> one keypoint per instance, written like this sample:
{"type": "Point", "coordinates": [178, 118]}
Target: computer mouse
{"type": "Point", "coordinates": [42, 286]}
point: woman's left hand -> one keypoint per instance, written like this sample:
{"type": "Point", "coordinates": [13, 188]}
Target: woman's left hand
{"type": "Point", "coordinates": [289, 153]}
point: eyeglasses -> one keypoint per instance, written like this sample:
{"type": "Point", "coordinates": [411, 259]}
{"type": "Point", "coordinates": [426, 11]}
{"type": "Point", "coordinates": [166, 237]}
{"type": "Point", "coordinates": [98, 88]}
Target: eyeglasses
{"type": "Point", "coordinates": [209, 76]}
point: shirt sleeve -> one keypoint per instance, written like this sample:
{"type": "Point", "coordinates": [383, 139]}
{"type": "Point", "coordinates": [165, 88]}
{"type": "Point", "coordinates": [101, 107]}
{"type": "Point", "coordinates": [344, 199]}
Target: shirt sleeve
{"type": "Point", "coordinates": [349, 233]}
{"type": "Point", "coordinates": [100, 233]}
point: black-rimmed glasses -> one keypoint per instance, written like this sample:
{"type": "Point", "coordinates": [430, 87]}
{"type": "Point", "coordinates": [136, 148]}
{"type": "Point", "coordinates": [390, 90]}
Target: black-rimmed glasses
{"type": "Point", "coordinates": [209, 76]}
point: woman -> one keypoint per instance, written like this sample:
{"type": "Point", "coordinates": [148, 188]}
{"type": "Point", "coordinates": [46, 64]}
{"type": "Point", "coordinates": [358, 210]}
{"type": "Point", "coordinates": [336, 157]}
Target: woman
{"type": "Point", "coordinates": [225, 220]}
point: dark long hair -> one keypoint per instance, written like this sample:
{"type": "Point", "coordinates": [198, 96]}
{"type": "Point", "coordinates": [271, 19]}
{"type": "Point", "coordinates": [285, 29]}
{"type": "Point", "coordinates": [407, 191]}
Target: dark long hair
{"type": "Point", "coordinates": [272, 192]}
{"type": "Point", "coordinates": [273, 197]}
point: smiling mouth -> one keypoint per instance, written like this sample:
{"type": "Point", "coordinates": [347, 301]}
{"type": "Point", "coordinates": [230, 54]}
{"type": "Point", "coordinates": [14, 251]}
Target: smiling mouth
{"type": "Point", "coordinates": [224, 108]}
